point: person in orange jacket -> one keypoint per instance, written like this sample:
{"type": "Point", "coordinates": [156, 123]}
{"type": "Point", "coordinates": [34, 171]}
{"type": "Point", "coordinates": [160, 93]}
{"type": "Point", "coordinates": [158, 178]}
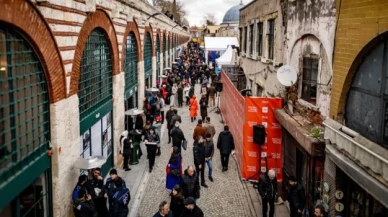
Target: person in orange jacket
{"type": "Point", "coordinates": [193, 108]}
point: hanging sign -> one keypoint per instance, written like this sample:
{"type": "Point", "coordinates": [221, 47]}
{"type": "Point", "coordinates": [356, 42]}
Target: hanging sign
{"type": "Point", "coordinates": [339, 194]}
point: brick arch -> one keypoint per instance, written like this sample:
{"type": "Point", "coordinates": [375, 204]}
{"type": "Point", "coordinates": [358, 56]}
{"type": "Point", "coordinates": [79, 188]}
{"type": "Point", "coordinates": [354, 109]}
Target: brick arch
{"type": "Point", "coordinates": [148, 29]}
{"type": "Point", "coordinates": [338, 104]}
{"type": "Point", "coordinates": [98, 19]}
{"type": "Point", "coordinates": [158, 33]}
{"type": "Point", "coordinates": [132, 27]}
{"type": "Point", "coordinates": [37, 32]}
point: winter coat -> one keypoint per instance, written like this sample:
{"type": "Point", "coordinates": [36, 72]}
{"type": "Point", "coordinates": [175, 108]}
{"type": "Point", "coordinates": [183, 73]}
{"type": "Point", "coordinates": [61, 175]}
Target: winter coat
{"type": "Point", "coordinates": [225, 142]}
{"type": "Point", "coordinates": [121, 200]}
{"type": "Point", "coordinates": [296, 197]}
{"type": "Point", "coordinates": [209, 148]}
{"type": "Point", "coordinates": [193, 107]}
{"type": "Point", "coordinates": [110, 190]}
{"type": "Point", "coordinates": [267, 187]}
{"type": "Point", "coordinates": [203, 106]}
{"type": "Point", "coordinates": [177, 136]}
{"type": "Point", "coordinates": [170, 214]}
{"type": "Point", "coordinates": [199, 131]}
{"type": "Point", "coordinates": [76, 191]}
{"type": "Point", "coordinates": [190, 185]}
{"type": "Point", "coordinates": [84, 208]}
{"type": "Point", "coordinates": [171, 180]}
{"type": "Point", "coordinates": [176, 204]}
{"type": "Point", "coordinates": [210, 129]}
{"type": "Point", "coordinates": [196, 212]}
{"type": "Point", "coordinates": [174, 119]}
{"type": "Point", "coordinates": [96, 184]}
{"type": "Point", "coordinates": [191, 91]}
{"type": "Point", "coordinates": [169, 115]}
{"type": "Point", "coordinates": [180, 94]}
{"type": "Point", "coordinates": [199, 153]}
{"type": "Point", "coordinates": [125, 147]}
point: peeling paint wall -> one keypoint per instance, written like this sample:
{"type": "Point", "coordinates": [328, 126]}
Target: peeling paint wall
{"type": "Point", "coordinates": [311, 31]}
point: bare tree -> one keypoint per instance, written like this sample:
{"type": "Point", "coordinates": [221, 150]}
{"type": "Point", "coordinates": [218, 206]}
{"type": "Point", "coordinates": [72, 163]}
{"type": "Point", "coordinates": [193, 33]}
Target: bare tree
{"type": "Point", "coordinates": [166, 6]}
{"type": "Point", "coordinates": [210, 19]}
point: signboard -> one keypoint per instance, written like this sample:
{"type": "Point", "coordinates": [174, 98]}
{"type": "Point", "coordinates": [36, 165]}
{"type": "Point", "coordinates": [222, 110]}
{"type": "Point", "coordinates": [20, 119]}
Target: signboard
{"type": "Point", "coordinates": [260, 110]}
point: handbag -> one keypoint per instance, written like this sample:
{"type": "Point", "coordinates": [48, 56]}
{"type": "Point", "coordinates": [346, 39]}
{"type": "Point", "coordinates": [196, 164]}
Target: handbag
{"type": "Point", "coordinates": [184, 144]}
{"type": "Point", "coordinates": [175, 172]}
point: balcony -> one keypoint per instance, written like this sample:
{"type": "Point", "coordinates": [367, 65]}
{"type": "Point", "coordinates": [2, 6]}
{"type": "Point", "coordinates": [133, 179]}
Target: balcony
{"type": "Point", "coordinates": [368, 155]}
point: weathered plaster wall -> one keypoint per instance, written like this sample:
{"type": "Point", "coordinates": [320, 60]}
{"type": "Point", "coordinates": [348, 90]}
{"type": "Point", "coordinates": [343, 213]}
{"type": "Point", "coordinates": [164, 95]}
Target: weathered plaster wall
{"type": "Point", "coordinates": [310, 31]}
{"type": "Point", "coordinates": [118, 111]}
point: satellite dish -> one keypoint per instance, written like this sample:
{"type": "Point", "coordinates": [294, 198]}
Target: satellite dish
{"type": "Point", "coordinates": [287, 75]}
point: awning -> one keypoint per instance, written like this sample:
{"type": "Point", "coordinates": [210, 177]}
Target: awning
{"type": "Point", "coordinates": [226, 58]}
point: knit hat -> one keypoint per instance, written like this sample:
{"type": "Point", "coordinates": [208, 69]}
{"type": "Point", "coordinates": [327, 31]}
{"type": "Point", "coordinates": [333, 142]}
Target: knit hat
{"type": "Point", "coordinates": [189, 200]}
{"type": "Point", "coordinates": [113, 171]}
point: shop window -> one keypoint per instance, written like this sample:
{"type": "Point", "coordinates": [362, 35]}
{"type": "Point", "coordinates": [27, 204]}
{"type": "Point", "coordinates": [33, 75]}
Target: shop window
{"type": "Point", "coordinates": [24, 107]}
{"type": "Point", "coordinates": [245, 39]}
{"type": "Point", "coordinates": [130, 63]}
{"type": "Point", "coordinates": [367, 103]}
{"type": "Point", "coordinates": [147, 56]}
{"type": "Point", "coordinates": [95, 83]}
{"type": "Point", "coordinates": [309, 82]}
{"type": "Point", "coordinates": [251, 39]}
{"type": "Point", "coordinates": [259, 41]}
{"type": "Point", "coordinates": [271, 38]}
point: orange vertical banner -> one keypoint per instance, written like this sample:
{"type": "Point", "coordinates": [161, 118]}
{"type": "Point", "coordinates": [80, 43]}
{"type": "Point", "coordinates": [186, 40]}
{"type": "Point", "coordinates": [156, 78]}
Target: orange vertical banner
{"type": "Point", "coordinates": [261, 111]}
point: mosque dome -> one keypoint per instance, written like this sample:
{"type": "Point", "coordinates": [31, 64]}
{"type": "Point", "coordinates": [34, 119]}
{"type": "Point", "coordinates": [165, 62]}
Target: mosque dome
{"type": "Point", "coordinates": [233, 14]}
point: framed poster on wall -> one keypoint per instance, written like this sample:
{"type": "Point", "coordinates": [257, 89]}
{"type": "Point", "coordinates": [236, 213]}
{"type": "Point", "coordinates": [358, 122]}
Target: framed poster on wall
{"type": "Point", "coordinates": [96, 139]}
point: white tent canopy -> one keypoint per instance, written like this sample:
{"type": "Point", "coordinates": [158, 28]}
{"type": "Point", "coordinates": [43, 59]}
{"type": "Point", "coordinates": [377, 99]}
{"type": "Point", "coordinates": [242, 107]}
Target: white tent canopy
{"type": "Point", "coordinates": [219, 44]}
{"type": "Point", "coordinates": [226, 58]}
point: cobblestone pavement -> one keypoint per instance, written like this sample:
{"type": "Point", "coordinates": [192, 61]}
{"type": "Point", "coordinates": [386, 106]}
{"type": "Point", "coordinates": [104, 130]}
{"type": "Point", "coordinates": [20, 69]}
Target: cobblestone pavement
{"type": "Point", "coordinates": [224, 197]}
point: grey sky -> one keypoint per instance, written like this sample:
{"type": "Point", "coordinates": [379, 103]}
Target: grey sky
{"type": "Point", "coordinates": [197, 9]}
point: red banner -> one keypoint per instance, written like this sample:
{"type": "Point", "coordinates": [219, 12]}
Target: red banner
{"type": "Point", "coordinates": [261, 111]}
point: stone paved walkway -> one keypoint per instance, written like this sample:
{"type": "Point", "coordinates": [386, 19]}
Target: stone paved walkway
{"type": "Point", "coordinates": [224, 197]}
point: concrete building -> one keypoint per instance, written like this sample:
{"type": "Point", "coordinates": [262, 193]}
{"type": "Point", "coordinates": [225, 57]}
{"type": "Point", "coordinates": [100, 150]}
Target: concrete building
{"type": "Point", "coordinates": [197, 32]}
{"type": "Point", "coordinates": [68, 71]}
{"type": "Point", "coordinates": [356, 166]}
{"type": "Point", "coordinates": [230, 22]}
{"type": "Point", "coordinates": [211, 30]}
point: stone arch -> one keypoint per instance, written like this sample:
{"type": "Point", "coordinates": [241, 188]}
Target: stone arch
{"type": "Point", "coordinates": [148, 29]}
{"type": "Point", "coordinates": [340, 102]}
{"type": "Point", "coordinates": [132, 27]}
{"type": "Point", "coordinates": [38, 34]}
{"type": "Point", "coordinates": [98, 19]}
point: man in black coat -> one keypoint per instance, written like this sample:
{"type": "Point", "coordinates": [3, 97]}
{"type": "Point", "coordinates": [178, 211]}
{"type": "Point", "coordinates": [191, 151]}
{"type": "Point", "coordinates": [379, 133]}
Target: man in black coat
{"type": "Point", "coordinates": [199, 158]}
{"type": "Point", "coordinates": [190, 183]}
{"type": "Point", "coordinates": [169, 115]}
{"type": "Point", "coordinates": [83, 205]}
{"type": "Point", "coordinates": [225, 144]}
{"type": "Point", "coordinates": [209, 151]}
{"type": "Point", "coordinates": [177, 136]}
{"type": "Point", "coordinates": [191, 209]}
{"type": "Point", "coordinates": [267, 188]}
{"type": "Point", "coordinates": [296, 198]}
{"type": "Point", "coordinates": [96, 189]}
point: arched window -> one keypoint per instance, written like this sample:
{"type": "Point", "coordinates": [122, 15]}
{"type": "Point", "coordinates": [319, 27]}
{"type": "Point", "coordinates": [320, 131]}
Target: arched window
{"type": "Point", "coordinates": [147, 56]}
{"type": "Point", "coordinates": [367, 103]}
{"type": "Point", "coordinates": [157, 49]}
{"type": "Point", "coordinates": [95, 83]}
{"type": "Point", "coordinates": [24, 111]}
{"type": "Point", "coordinates": [164, 52]}
{"type": "Point", "coordinates": [130, 62]}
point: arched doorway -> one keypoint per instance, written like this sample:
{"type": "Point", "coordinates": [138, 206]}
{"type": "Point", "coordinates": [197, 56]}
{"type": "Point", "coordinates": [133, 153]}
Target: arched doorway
{"type": "Point", "coordinates": [95, 98]}
{"type": "Point", "coordinates": [131, 76]}
{"type": "Point", "coordinates": [148, 60]}
{"type": "Point", "coordinates": [25, 168]}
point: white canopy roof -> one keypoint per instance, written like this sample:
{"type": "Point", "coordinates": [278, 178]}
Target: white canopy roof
{"type": "Point", "coordinates": [226, 58]}
{"type": "Point", "coordinates": [219, 43]}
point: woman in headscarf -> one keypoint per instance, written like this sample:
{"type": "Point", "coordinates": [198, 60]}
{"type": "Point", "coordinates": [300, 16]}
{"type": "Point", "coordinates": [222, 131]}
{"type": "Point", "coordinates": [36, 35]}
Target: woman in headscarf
{"type": "Point", "coordinates": [174, 169]}
{"type": "Point", "coordinates": [203, 106]}
{"type": "Point", "coordinates": [193, 106]}
{"type": "Point", "coordinates": [176, 204]}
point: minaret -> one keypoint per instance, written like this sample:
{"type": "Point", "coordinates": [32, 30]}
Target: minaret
{"type": "Point", "coordinates": [241, 3]}
{"type": "Point", "coordinates": [174, 12]}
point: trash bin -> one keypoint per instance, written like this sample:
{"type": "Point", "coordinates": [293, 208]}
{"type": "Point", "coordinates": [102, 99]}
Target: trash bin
{"type": "Point", "coordinates": [134, 158]}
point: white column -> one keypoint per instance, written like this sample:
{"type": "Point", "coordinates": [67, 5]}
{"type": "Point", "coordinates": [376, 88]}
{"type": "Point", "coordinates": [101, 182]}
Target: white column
{"type": "Point", "coordinates": [161, 66]}
{"type": "Point", "coordinates": [141, 84]}
{"type": "Point", "coordinates": [118, 111]}
{"type": "Point", "coordinates": [153, 82]}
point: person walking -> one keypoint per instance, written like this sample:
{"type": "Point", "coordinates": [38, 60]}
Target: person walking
{"type": "Point", "coordinates": [209, 128]}
{"type": "Point", "coordinates": [199, 130]}
{"type": "Point", "coordinates": [268, 187]}
{"type": "Point", "coordinates": [174, 169]}
{"type": "Point", "coordinates": [191, 209]}
{"type": "Point", "coordinates": [186, 92]}
{"type": "Point", "coordinates": [161, 106]}
{"type": "Point", "coordinates": [83, 205]}
{"type": "Point", "coordinates": [164, 210]}
{"type": "Point", "coordinates": [203, 106]}
{"type": "Point", "coordinates": [176, 205]}
{"type": "Point", "coordinates": [193, 108]}
{"type": "Point", "coordinates": [225, 144]}
{"type": "Point", "coordinates": [121, 199]}
{"type": "Point", "coordinates": [209, 151]}
{"type": "Point", "coordinates": [190, 183]}
{"type": "Point", "coordinates": [296, 197]}
{"type": "Point", "coordinates": [177, 137]}
{"type": "Point", "coordinates": [212, 92]}
{"type": "Point", "coordinates": [110, 189]}
{"type": "Point", "coordinates": [199, 158]}
{"type": "Point", "coordinates": [151, 141]}
{"type": "Point", "coordinates": [169, 115]}
{"type": "Point", "coordinates": [126, 147]}
{"type": "Point", "coordinates": [180, 96]}
{"type": "Point", "coordinates": [174, 91]}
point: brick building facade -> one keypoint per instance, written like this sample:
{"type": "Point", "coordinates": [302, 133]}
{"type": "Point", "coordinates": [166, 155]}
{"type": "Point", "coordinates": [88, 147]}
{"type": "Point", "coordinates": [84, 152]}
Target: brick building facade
{"type": "Point", "coordinates": [69, 70]}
